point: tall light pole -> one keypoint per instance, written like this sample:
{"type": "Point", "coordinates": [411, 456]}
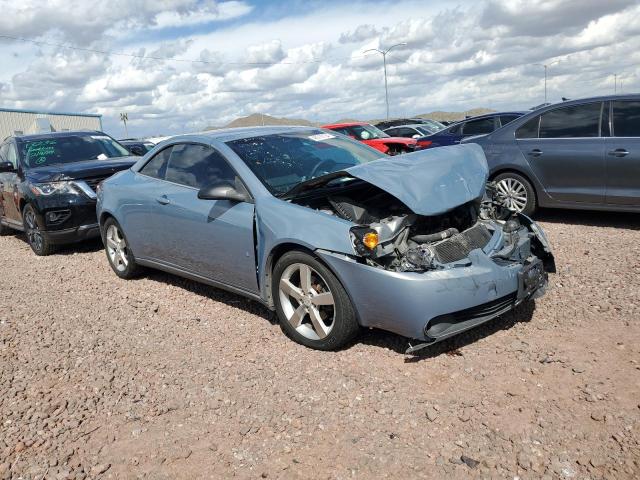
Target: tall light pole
{"type": "Point", "coordinates": [546, 66]}
{"type": "Point", "coordinates": [384, 63]}
{"type": "Point", "coordinates": [615, 83]}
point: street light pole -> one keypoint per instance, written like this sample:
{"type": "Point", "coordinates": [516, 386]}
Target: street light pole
{"type": "Point", "coordinates": [546, 66]}
{"type": "Point", "coordinates": [124, 117]}
{"type": "Point", "coordinates": [384, 65]}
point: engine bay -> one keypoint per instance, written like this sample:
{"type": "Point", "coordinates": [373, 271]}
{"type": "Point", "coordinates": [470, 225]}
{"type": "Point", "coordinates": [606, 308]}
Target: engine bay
{"type": "Point", "coordinates": [405, 241]}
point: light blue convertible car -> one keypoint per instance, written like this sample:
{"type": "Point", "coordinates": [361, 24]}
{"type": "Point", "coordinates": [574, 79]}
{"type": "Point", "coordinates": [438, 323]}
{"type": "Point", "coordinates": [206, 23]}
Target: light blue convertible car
{"type": "Point", "coordinates": [321, 229]}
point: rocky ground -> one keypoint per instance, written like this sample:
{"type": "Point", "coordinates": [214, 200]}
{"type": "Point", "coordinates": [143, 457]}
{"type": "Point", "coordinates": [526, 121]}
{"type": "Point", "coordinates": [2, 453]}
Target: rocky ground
{"type": "Point", "coordinates": [164, 378]}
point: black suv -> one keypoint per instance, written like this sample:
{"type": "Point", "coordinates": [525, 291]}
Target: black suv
{"type": "Point", "coordinates": [48, 183]}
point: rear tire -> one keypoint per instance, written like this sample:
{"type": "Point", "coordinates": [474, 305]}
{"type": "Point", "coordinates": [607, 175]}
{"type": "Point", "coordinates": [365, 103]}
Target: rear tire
{"type": "Point", "coordinates": [516, 193]}
{"type": "Point", "coordinates": [312, 305]}
{"type": "Point", "coordinates": [119, 255]}
{"type": "Point", "coordinates": [36, 239]}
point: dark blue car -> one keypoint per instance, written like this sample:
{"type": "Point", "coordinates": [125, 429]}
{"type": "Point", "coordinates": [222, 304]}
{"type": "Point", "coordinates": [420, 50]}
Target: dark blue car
{"type": "Point", "coordinates": [469, 127]}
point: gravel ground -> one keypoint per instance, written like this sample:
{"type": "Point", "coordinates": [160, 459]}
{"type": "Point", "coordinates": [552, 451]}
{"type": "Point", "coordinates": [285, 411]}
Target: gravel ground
{"type": "Point", "coordinates": [164, 378]}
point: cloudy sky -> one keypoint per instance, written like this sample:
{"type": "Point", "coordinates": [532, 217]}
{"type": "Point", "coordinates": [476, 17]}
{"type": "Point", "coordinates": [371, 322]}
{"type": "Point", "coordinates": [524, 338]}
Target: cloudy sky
{"type": "Point", "coordinates": [181, 65]}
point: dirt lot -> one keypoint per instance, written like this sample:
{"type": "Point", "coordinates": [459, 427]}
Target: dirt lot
{"type": "Point", "coordinates": [164, 378]}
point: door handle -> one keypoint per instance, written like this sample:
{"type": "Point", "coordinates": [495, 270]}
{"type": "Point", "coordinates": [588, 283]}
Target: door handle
{"type": "Point", "coordinates": [163, 200]}
{"type": "Point", "coordinates": [619, 152]}
{"type": "Point", "coordinates": [536, 152]}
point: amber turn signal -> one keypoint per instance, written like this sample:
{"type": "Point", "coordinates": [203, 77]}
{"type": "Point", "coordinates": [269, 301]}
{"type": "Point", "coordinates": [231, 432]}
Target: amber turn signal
{"type": "Point", "coordinates": [370, 240]}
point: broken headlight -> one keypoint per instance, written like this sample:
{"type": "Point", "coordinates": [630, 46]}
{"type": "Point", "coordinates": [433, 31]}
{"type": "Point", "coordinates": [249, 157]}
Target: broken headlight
{"type": "Point", "coordinates": [417, 259]}
{"type": "Point", "coordinates": [365, 240]}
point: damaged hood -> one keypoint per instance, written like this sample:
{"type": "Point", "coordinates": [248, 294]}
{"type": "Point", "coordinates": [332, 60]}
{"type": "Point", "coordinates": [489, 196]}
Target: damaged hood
{"type": "Point", "coordinates": [429, 182]}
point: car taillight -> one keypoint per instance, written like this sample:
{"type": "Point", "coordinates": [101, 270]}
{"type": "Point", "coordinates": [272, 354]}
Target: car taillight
{"type": "Point", "coordinates": [424, 143]}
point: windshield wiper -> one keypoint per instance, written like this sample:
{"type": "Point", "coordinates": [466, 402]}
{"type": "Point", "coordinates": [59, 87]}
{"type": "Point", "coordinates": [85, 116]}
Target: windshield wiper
{"type": "Point", "coordinates": [311, 184]}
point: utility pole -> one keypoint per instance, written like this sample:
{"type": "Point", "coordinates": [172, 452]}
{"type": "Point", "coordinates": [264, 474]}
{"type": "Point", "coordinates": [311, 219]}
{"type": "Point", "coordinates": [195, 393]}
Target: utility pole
{"type": "Point", "coordinates": [384, 64]}
{"type": "Point", "coordinates": [124, 117]}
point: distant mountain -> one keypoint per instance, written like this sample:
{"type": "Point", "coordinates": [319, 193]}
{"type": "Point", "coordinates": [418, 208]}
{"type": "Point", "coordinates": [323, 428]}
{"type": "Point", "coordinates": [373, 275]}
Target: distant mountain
{"type": "Point", "coordinates": [259, 119]}
{"type": "Point", "coordinates": [454, 116]}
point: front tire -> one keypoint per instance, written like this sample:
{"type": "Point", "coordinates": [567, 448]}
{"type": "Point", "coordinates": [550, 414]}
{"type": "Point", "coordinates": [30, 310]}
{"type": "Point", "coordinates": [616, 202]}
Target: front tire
{"type": "Point", "coordinates": [312, 306]}
{"type": "Point", "coordinates": [119, 254]}
{"type": "Point", "coordinates": [516, 193]}
{"type": "Point", "coordinates": [37, 240]}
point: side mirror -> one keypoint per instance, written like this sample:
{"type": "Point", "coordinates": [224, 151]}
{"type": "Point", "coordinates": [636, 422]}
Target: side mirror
{"type": "Point", "coordinates": [223, 191]}
{"type": "Point", "coordinates": [415, 136]}
{"type": "Point", "coordinates": [6, 167]}
{"type": "Point", "coordinates": [137, 150]}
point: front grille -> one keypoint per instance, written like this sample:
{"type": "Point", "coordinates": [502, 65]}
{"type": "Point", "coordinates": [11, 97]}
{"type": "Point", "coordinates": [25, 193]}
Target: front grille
{"type": "Point", "coordinates": [441, 324]}
{"type": "Point", "coordinates": [460, 245]}
{"type": "Point", "coordinates": [94, 181]}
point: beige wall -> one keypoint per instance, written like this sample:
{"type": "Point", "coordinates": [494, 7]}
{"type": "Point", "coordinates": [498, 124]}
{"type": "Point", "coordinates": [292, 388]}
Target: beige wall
{"type": "Point", "coordinates": [26, 122]}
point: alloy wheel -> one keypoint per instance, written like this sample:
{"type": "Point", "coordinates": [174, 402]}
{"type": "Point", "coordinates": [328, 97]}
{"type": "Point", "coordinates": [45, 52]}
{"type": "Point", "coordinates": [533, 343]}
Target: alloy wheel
{"type": "Point", "coordinates": [512, 194]}
{"type": "Point", "coordinates": [34, 235]}
{"type": "Point", "coordinates": [307, 301]}
{"type": "Point", "coordinates": [117, 248]}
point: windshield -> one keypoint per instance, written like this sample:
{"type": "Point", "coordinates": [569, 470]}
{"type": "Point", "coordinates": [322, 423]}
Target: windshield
{"type": "Point", "coordinates": [435, 125]}
{"type": "Point", "coordinates": [283, 161]}
{"type": "Point", "coordinates": [68, 149]}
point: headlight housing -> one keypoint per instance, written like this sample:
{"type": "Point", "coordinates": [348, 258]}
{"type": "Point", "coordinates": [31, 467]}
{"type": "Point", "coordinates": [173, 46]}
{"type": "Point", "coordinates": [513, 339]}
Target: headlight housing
{"type": "Point", "coordinates": [53, 188]}
{"type": "Point", "coordinates": [365, 240]}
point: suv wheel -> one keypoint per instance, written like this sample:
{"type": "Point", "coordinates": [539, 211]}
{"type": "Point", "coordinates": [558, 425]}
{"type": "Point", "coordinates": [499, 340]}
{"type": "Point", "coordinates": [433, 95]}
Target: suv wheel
{"type": "Point", "coordinates": [37, 240]}
{"type": "Point", "coordinates": [312, 306]}
{"type": "Point", "coordinates": [516, 193]}
{"type": "Point", "coordinates": [118, 252]}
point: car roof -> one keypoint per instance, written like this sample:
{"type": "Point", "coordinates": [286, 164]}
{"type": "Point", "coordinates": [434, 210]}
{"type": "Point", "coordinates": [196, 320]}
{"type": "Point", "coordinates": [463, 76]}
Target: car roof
{"type": "Point", "coordinates": [44, 136]}
{"type": "Point", "coordinates": [230, 134]}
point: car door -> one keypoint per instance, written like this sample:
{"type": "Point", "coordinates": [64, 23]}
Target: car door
{"type": "Point", "coordinates": [9, 185]}
{"type": "Point", "coordinates": [565, 151]}
{"type": "Point", "coordinates": [211, 238]}
{"type": "Point", "coordinates": [622, 150]}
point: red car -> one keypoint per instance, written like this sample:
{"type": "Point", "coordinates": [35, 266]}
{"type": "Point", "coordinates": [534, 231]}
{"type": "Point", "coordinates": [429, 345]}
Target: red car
{"type": "Point", "coordinates": [374, 137]}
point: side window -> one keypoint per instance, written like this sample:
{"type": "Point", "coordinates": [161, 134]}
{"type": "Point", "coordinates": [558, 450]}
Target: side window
{"type": "Point", "coordinates": [393, 132]}
{"type": "Point", "coordinates": [529, 129]}
{"type": "Point", "coordinates": [198, 166]}
{"type": "Point", "coordinates": [157, 166]}
{"type": "Point", "coordinates": [3, 152]}
{"type": "Point", "coordinates": [504, 119]}
{"type": "Point", "coordinates": [12, 155]}
{"type": "Point", "coordinates": [626, 118]}
{"type": "Point", "coordinates": [478, 127]}
{"type": "Point", "coordinates": [572, 122]}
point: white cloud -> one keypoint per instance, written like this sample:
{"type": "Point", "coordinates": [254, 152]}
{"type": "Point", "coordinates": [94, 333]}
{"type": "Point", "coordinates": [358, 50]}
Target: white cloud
{"type": "Point", "coordinates": [476, 54]}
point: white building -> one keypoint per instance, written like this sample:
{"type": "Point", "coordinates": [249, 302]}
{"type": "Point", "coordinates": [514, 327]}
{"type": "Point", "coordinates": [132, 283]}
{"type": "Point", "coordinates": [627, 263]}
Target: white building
{"type": "Point", "coordinates": [18, 122]}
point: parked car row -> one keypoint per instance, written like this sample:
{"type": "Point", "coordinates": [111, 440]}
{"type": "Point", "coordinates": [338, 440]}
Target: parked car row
{"type": "Point", "coordinates": [309, 222]}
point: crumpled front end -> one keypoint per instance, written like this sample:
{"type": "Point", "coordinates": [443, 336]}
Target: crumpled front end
{"type": "Point", "coordinates": [431, 277]}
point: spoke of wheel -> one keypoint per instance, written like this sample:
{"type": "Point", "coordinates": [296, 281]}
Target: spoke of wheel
{"type": "Point", "coordinates": [112, 243]}
{"type": "Point", "coordinates": [298, 315]}
{"type": "Point", "coordinates": [124, 258]}
{"type": "Point", "coordinates": [322, 299]}
{"type": "Point", "coordinates": [290, 289]}
{"type": "Point", "coordinates": [502, 188]}
{"type": "Point", "coordinates": [305, 278]}
{"type": "Point", "coordinates": [318, 325]}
